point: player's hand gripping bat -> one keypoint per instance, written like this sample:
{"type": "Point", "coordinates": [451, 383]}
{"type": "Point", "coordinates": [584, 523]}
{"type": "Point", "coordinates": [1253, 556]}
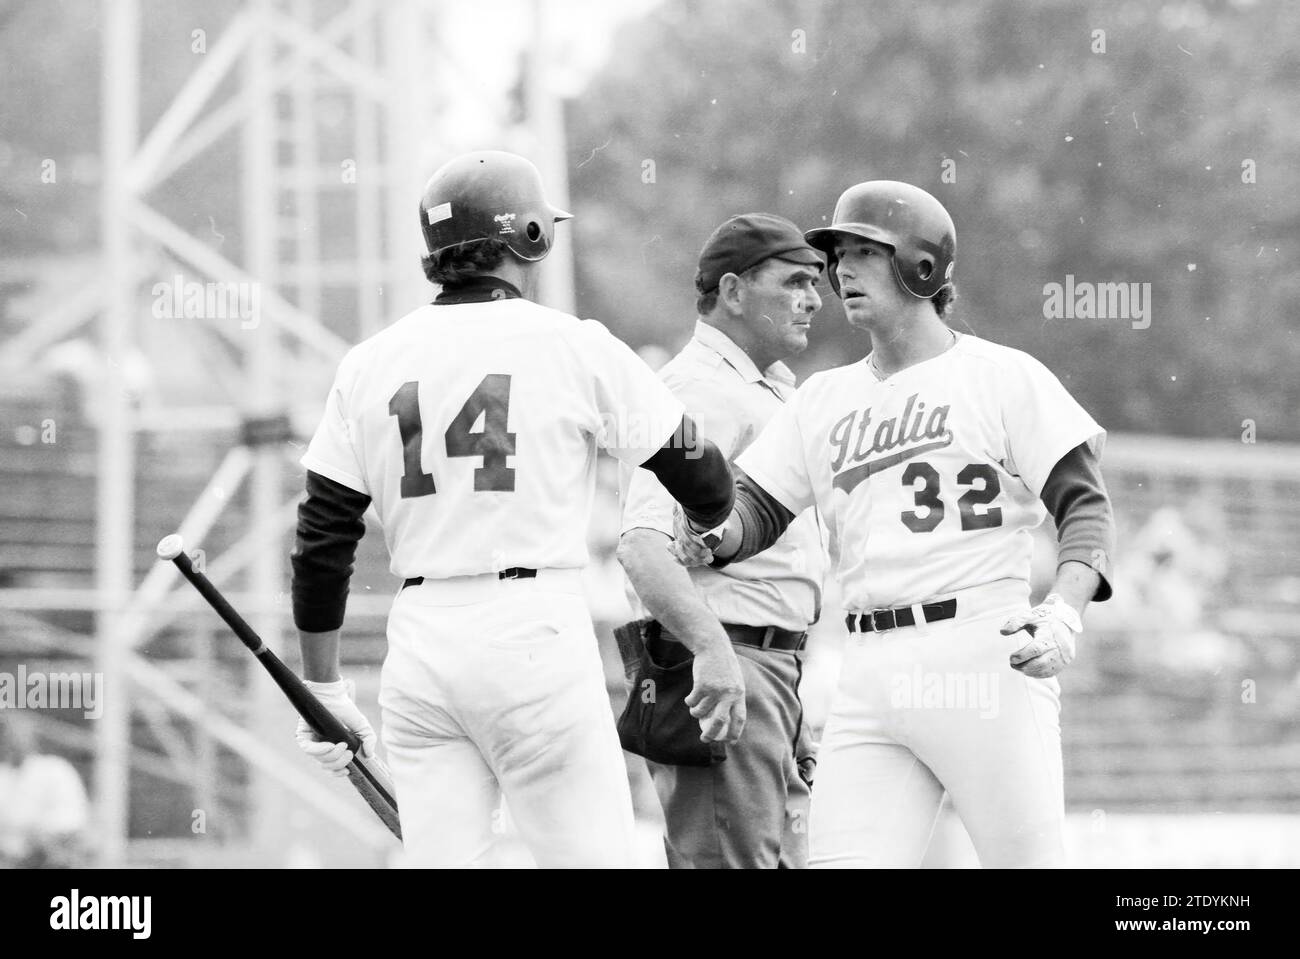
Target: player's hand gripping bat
{"type": "Point", "coordinates": [367, 775]}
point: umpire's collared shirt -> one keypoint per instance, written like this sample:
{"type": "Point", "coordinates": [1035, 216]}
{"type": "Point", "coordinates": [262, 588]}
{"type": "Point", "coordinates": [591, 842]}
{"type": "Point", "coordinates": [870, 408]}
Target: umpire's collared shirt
{"type": "Point", "coordinates": [731, 400]}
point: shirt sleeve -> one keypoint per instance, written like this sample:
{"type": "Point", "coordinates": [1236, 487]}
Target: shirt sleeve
{"type": "Point", "coordinates": [330, 525]}
{"type": "Point", "coordinates": [763, 521]}
{"type": "Point", "coordinates": [647, 504]}
{"type": "Point", "coordinates": [1075, 495]}
{"type": "Point", "coordinates": [776, 461]}
{"type": "Point", "coordinates": [332, 452]}
{"type": "Point", "coordinates": [636, 412]}
{"type": "Point", "coordinates": [1043, 422]}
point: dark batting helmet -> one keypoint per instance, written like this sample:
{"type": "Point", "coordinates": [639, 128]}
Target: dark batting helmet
{"type": "Point", "coordinates": [913, 224]}
{"type": "Point", "coordinates": [488, 195]}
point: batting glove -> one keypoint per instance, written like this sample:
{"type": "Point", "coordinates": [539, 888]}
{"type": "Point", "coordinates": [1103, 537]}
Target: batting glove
{"type": "Point", "coordinates": [690, 547]}
{"type": "Point", "coordinates": [337, 698]}
{"type": "Point", "coordinates": [1053, 624]}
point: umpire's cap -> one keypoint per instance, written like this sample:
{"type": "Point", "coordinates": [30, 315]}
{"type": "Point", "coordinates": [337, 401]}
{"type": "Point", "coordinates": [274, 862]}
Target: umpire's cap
{"type": "Point", "coordinates": [745, 241]}
{"type": "Point", "coordinates": [489, 195]}
{"type": "Point", "coordinates": [906, 219]}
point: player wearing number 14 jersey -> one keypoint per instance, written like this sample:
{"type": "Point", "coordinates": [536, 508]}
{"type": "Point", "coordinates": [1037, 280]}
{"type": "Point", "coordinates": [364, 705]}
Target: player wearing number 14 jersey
{"type": "Point", "coordinates": [471, 426]}
{"type": "Point", "coordinates": [932, 459]}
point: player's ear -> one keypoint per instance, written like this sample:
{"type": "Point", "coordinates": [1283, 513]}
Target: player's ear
{"type": "Point", "coordinates": [729, 293]}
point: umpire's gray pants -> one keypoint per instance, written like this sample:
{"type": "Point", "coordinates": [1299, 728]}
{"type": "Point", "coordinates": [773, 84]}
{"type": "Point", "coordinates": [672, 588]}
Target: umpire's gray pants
{"type": "Point", "coordinates": [750, 811]}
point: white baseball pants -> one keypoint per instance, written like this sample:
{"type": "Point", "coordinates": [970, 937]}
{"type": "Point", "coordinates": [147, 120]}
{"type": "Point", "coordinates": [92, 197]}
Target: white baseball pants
{"type": "Point", "coordinates": [495, 687]}
{"type": "Point", "coordinates": [936, 707]}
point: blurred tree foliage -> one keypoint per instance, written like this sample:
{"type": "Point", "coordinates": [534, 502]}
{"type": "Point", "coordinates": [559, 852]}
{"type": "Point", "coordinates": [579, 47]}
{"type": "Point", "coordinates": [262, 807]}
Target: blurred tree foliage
{"type": "Point", "coordinates": [1119, 166]}
{"type": "Point", "coordinates": [1122, 165]}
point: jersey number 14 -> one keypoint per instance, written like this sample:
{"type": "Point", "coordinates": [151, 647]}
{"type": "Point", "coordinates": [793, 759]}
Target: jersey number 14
{"type": "Point", "coordinates": [490, 400]}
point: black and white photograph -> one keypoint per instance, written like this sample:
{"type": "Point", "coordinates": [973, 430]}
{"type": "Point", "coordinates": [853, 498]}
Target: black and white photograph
{"type": "Point", "coordinates": [664, 434]}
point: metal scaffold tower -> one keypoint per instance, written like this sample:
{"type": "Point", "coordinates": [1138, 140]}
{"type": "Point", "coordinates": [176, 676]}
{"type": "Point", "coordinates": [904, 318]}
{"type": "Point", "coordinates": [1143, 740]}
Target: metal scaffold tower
{"type": "Point", "coordinates": [327, 235]}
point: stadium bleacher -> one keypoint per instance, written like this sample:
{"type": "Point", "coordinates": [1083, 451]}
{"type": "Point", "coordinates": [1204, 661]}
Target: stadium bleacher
{"type": "Point", "coordinates": [1142, 734]}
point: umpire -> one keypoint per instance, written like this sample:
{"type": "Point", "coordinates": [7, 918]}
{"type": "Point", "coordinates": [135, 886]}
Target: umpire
{"type": "Point", "coordinates": [756, 297]}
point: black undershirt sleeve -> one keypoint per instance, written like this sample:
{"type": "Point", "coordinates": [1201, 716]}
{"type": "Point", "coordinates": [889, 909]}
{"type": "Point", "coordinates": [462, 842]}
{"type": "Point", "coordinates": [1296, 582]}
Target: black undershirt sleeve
{"type": "Point", "coordinates": [1076, 497]}
{"type": "Point", "coordinates": [330, 525]}
{"type": "Point", "coordinates": [696, 474]}
{"type": "Point", "coordinates": [762, 521]}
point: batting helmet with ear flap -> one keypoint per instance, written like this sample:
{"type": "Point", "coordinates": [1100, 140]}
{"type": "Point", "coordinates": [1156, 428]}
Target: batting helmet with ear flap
{"type": "Point", "coordinates": [489, 195]}
{"type": "Point", "coordinates": [912, 223]}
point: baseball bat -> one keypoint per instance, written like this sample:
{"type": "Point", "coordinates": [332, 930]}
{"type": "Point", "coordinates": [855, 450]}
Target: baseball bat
{"type": "Point", "coordinates": [369, 777]}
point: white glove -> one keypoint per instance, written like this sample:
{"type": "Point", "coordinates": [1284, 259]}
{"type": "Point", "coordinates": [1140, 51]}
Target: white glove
{"type": "Point", "coordinates": [337, 698]}
{"type": "Point", "coordinates": [1053, 624]}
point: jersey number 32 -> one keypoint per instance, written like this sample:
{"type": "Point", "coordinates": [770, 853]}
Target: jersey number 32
{"type": "Point", "coordinates": [984, 488]}
{"type": "Point", "coordinates": [490, 400]}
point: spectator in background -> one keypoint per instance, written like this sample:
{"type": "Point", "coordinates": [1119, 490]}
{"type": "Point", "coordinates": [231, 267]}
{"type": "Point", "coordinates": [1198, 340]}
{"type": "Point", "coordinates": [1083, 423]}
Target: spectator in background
{"type": "Point", "coordinates": [1177, 574]}
{"type": "Point", "coordinates": [44, 810]}
{"type": "Point", "coordinates": [81, 369]}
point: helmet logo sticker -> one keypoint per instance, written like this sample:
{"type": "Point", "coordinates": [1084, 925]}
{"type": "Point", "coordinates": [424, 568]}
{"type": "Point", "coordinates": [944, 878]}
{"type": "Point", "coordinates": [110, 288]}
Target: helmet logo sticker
{"type": "Point", "coordinates": [506, 221]}
{"type": "Point", "coordinates": [436, 214]}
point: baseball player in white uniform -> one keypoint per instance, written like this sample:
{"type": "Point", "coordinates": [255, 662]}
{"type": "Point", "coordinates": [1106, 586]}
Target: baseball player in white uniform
{"type": "Point", "coordinates": [932, 459]}
{"type": "Point", "coordinates": [472, 425]}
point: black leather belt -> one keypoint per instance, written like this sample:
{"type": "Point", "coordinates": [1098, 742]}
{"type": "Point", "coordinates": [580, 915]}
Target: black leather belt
{"type": "Point", "coordinates": [879, 620]}
{"type": "Point", "coordinates": [760, 637]}
{"type": "Point", "coordinates": [514, 572]}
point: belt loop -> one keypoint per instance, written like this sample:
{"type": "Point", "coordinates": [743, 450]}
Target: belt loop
{"type": "Point", "coordinates": [767, 637]}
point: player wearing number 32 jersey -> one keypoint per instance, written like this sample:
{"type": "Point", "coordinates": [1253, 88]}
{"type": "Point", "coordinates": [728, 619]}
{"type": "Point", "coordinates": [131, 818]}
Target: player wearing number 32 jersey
{"type": "Point", "coordinates": [932, 460]}
{"type": "Point", "coordinates": [471, 426]}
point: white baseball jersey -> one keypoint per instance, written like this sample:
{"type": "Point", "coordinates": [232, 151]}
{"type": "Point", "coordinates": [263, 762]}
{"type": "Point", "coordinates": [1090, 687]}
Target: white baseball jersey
{"type": "Point", "coordinates": [730, 400]}
{"type": "Point", "coordinates": [930, 479]}
{"type": "Point", "coordinates": [474, 428]}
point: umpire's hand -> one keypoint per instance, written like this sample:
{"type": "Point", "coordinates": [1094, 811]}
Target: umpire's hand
{"type": "Point", "coordinates": [717, 699]}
